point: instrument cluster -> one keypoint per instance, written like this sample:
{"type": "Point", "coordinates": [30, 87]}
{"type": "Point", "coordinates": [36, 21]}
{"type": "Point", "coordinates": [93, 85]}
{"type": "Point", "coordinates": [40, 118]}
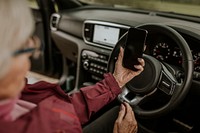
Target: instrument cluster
{"type": "Point", "coordinates": [166, 50]}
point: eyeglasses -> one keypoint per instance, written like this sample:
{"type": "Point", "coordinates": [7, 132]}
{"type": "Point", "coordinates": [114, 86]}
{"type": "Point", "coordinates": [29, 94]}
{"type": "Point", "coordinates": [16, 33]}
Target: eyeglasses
{"type": "Point", "coordinates": [32, 46]}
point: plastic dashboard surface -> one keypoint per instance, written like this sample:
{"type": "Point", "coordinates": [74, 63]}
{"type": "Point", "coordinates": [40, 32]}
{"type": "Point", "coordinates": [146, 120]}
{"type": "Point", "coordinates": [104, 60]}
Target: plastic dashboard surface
{"type": "Point", "coordinates": [82, 23]}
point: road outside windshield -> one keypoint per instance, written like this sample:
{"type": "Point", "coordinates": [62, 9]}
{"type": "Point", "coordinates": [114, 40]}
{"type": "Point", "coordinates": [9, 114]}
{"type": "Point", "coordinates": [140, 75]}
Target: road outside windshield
{"type": "Point", "coordinates": [187, 7]}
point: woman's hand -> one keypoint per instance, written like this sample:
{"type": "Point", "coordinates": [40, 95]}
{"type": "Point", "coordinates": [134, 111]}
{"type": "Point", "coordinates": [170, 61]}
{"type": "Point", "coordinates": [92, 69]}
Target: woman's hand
{"type": "Point", "coordinates": [126, 122]}
{"type": "Point", "coordinates": [124, 75]}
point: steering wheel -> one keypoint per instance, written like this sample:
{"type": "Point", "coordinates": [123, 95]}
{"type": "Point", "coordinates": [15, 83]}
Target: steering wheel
{"type": "Point", "coordinates": [156, 91]}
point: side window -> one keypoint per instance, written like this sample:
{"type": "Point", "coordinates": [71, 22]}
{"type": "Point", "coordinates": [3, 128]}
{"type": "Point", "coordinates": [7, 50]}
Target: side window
{"type": "Point", "coordinates": [33, 4]}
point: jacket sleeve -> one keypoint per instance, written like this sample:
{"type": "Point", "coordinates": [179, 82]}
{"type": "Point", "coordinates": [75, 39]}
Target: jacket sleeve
{"type": "Point", "coordinates": [92, 98]}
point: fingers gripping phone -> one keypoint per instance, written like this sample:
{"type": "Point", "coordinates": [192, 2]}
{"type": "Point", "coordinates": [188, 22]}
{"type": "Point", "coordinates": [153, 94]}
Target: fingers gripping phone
{"type": "Point", "coordinates": [134, 47]}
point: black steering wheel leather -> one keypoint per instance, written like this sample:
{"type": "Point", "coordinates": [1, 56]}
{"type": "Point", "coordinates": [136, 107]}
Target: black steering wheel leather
{"type": "Point", "coordinates": [156, 77]}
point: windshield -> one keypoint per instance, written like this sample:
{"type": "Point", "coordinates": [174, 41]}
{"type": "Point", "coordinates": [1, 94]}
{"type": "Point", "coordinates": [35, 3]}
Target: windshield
{"type": "Point", "coordinates": [187, 7]}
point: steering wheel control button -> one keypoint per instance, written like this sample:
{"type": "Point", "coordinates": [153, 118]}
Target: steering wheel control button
{"type": "Point", "coordinates": [166, 85]}
{"type": "Point", "coordinates": [196, 75]}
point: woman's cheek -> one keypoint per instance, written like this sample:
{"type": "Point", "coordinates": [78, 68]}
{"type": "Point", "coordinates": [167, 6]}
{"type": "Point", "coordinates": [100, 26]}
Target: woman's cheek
{"type": "Point", "coordinates": [21, 69]}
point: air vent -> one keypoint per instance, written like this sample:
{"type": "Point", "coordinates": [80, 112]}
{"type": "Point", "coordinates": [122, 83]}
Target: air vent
{"type": "Point", "coordinates": [54, 21]}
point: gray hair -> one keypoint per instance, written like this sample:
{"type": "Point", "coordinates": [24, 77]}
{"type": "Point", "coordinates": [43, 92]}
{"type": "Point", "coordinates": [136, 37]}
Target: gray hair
{"type": "Point", "coordinates": [16, 25]}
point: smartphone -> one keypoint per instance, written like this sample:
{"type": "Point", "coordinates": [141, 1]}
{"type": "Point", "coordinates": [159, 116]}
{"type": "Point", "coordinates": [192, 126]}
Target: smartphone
{"type": "Point", "coordinates": [134, 47]}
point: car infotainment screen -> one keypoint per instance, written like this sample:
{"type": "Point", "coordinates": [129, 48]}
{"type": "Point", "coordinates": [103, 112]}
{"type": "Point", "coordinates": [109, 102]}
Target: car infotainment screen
{"type": "Point", "coordinates": [106, 35]}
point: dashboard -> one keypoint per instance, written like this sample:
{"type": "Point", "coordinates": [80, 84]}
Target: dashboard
{"type": "Point", "coordinates": [101, 36]}
{"type": "Point", "coordinates": [106, 35]}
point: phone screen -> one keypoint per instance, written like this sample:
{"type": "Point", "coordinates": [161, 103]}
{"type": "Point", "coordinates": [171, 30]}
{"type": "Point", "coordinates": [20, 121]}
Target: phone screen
{"type": "Point", "coordinates": [134, 47]}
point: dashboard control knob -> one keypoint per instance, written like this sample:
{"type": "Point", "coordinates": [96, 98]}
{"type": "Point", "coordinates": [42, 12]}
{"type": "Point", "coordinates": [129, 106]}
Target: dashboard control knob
{"type": "Point", "coordinates": [86, 64]}
{"type": "Point", "coordinates": [84, 55]}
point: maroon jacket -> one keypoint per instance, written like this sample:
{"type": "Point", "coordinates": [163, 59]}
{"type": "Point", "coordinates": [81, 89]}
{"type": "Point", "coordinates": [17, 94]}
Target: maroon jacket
{"type": "Point", "coordinates": [57, 112]}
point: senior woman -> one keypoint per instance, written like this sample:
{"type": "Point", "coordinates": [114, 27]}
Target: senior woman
{"type": "Point", "coordinates": [44, 107]}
